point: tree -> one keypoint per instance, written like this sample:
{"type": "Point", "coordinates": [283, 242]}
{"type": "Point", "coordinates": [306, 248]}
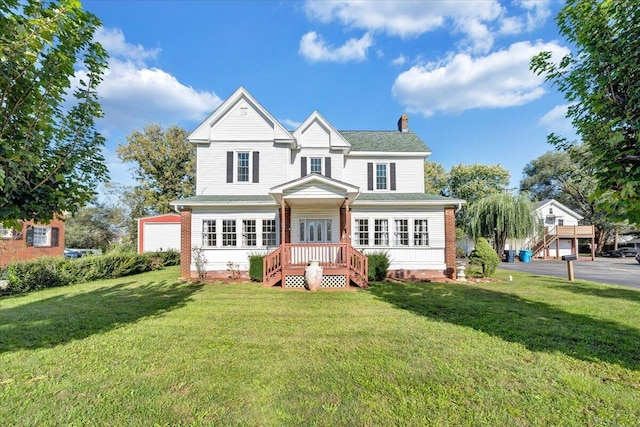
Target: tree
{"type": "Point", "coordinates": [602, 82]}
{"type": "Point", "coordinates": [435, 178]}
{"type": "Point", "coordinates": [50, 153]}
{"type": "Point", "coordinates": [166, 165]}
{"type": "Point", "coordinates": [500, 216]}
{"type": "Point", "coordinates": [95, 226]}
{"type": "Point", "coordinates": [561, 175]}
{"type": "Point", "coordinates": [483, 255]}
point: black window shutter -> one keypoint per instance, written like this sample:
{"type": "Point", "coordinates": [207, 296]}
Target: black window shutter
{"type": "Point", "coordinates": [327, 167]}
{"type": "Point", "coordinates": [370, 176]}
{"type": "Point", "coordinates": [303, 166]}
{"type": "Point", "coordinates": [256, 166]}
{"type": "Point", "coordinates": [392, 173]}
{"type": "Point", "coordinates": [55, 235]}
{"type": "Point", "coordinates": [229, 166]}
{"type": "Point", "coordinates": [29, 236]}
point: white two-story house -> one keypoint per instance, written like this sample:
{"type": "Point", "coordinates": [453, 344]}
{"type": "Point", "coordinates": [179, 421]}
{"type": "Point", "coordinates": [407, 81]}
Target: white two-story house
{"type": "Point", "coordinates": [314, 193]}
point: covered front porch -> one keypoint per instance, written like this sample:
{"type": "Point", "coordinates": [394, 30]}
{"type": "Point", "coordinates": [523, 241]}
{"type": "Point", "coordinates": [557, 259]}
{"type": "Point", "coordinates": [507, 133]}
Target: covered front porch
{"type": "Point", "coordinates": [310, 209]}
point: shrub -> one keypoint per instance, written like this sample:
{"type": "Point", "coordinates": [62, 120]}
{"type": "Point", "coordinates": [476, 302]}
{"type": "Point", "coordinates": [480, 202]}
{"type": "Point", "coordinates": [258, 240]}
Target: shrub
{"type": "Point", "coordinates": [40, 274]}
{"type": "Point", "coordinates": [255, 267]}
{"type": "Point", "coordinates": [485, 256]}
{"type": "Point", "coordinates": [379, 263]}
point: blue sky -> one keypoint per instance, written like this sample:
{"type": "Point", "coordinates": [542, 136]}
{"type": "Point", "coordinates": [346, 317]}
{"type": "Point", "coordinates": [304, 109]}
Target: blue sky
{"type": "Point", "coordinates": [459, 69]}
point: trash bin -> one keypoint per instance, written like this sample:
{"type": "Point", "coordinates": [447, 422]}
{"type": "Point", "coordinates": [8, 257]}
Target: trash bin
{"type": "Point", "coordinates": [509, 255]}
{"type": "Point", "coordinates": [525, 255]}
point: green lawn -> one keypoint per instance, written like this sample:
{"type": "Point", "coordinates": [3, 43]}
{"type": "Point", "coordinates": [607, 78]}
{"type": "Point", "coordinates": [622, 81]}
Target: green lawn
{"type": "Point", "coordinates": [144, 350]}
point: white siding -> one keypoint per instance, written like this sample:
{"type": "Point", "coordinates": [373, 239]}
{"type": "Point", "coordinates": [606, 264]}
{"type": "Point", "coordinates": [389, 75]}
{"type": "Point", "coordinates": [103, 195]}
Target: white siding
{"type": "Point", "coordinates": [160, 236]}
{"type": "Point", "coordinates": [219, 257]}
{"type": "Point", "coordinates": [316, 135]}
{"type": "Point", "coordinates": [409, 172]}
{"type": "Point", "coordinates": [337, 162]}
{"type": "Point", "coordinates": [410, 257]}
{"type": "Point", "coordinates": [212, 168]}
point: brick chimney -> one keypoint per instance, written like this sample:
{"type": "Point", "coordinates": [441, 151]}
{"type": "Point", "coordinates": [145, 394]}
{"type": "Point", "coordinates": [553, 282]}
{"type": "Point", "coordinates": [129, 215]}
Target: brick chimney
{"type": "Point", "coordinates": [403, 123]}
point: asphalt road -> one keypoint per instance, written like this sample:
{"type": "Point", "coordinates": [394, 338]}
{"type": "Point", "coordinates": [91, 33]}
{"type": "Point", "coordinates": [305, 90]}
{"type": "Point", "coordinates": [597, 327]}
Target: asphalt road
{"type": "Point", "coordinates": [616, 271]}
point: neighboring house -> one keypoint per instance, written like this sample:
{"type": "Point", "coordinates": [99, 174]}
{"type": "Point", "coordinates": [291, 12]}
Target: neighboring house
{"type": "Point", "coordinates": [560, 231]}
{"type": "Point", "coordinates": [159, 233]}
{"type": "Point", "coordinates": [31, 241]}
{"type": "Point", "coordinates": [312, 194]}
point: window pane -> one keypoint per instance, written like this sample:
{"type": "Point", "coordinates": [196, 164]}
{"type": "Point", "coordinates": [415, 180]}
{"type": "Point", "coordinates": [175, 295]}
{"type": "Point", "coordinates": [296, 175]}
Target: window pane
{"type": "Point", "coordinates": [209, 232]}
{"type": "Point", "coordinates": [420, 232]}
{"type": "Point", "coordinates": [41, 236]}
{"type": "Point", "coordinates": [269, 232]}
{"type": "Point", "coordinates": [362, 232]}
{"type": "Point", "coordinates": [381, 232]}
{"type": "Point", "coordinates": [229, 232]}
{"type": "Point", "coordinates": [243, 167]}
{"type": "Point", "coordinates": [381, 177]}
{"type": "Point", "coordinates": [315, 165]}
{"type": "Point", "coordinates": [302, 236]}
{"type": "Point", "coordinates": [328, 222]}
{"type": "Point", "coordinates": [249, 232]}
{"type": "Point", "coordinates": [401, 232]}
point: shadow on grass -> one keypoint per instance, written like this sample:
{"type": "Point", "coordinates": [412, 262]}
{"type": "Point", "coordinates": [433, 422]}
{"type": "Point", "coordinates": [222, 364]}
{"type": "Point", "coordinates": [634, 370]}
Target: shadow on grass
{"type": "Point", "coordinates": [615, 293]}
{"type": "Point", "coordinates": [61, 319]}
{"type": "Point", "coordinates": [538, 326]}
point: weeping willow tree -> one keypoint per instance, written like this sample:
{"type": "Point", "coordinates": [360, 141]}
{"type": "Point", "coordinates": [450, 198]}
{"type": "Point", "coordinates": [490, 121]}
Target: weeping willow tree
{"type": "Point", "coordinates": [500, 216]}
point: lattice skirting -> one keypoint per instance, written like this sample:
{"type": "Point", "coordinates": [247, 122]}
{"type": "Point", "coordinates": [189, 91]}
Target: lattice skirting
{"type": "Point", "coordinates": [327, 282]}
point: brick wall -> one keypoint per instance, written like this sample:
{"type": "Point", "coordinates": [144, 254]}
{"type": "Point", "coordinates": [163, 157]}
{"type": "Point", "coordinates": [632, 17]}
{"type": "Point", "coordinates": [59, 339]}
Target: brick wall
{"type": "Point", "coordinates": [450, 242]}
{"type": "Point", "coordinates": [16, 249]}
{"type": "Point", "coordinates": [185, 244]}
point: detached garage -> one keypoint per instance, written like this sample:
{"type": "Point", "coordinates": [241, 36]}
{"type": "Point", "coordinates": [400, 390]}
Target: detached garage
{"type": "Point", "coordinates": [159, 233]}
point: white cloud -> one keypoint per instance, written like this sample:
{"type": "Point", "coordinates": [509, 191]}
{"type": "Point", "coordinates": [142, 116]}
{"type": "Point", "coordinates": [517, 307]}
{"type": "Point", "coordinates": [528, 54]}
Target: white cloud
{"type": "Point", "coordinates": [314, 48]}
{"type": "Point", "coordinates": [400, 60]}
{"type": "Point", "coordinates": [462, 82]}
{"type": "Point", "coordinates": [290, 124]}
{"type": "Point", "coordinates": [477, 21]}
{"type": "Point", "coordinates": [556, 121]}
{"type": "Point", "coordinates": [112, 39]}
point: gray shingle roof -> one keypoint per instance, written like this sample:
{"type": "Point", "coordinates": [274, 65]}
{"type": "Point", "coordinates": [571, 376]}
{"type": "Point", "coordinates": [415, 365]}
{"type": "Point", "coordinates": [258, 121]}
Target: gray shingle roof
{"type": "Point", "coordinates": [404, 197]}
{"type": "Point", "coordinates": [225, 199]}
{"type": "Point", "coordinates": [385, 141]}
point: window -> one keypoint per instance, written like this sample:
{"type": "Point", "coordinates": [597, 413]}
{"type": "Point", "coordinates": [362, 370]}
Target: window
{"type": "Point", "coordinates": [6, 233]}
{"type": "Point", "coordinates": [229, 232]}
{"type": "Point", "coordinates": [249, 232]}
{"type": "Point", "coordinates": [41, 236]}
{"type": "Point", "coordinates": [381, 232]}
{"type": "Point", "coordinates": [209, 233]}
{"type": "Point", "coordinates": [362, 232]}
{"type": "Point", "coordinates": [315, 165]}
{"type": "Point", "coordinates": [269, 234]}
{"type": "Point", "coordinates": [561, 222]}
{"type": "Point", "coordinates": [381, 176]}
{"type": "Point", "coordinates": [401, 232]}
{"type": "Point", "coordinates": [243, 167]}
{"type": "Point", "coordinates": [420, 232]}
{"type": "Point", "coordinates": [315, 230]}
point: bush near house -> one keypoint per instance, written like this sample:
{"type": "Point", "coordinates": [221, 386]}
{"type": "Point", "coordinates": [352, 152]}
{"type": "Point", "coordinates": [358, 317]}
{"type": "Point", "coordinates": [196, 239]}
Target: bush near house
{"type": "Point", "coordinates": [255, 267]}
{"type": "Point", "coordinates": [484, 255]}
{"type": "Point", "coordinates": [54, 272]}
{"type": "Point", "coordinates": [379, 263]}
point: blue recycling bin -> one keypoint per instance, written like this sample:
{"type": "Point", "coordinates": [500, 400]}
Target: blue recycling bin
{"type": "Point", "coordinates": [509, 255]}
{"type": "Point", "coordinates": [525, 255]}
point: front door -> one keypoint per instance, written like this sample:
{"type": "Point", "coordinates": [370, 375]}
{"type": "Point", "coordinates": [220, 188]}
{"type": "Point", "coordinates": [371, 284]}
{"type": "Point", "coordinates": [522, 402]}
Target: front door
{"type": "Point", "coordinates": [315, 230]}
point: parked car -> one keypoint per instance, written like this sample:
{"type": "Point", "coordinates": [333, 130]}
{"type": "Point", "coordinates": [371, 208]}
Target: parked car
{"type": "Point", "coordinates": [624, 252]}
{"type": "Point", "coordinates": [638, 257]}
{"type": "Point", "coordinates": [68, 253]}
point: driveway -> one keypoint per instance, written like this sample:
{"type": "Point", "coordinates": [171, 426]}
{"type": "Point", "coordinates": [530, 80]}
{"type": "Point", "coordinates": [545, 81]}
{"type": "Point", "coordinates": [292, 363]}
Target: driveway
{"type": "Point", "coordinates": [617, 271]}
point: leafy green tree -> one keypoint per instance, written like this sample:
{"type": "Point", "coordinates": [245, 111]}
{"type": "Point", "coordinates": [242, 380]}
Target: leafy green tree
{"type": "Point", "coordinates": [435, 178]}
{"type": "Point", "coordinates": [601, 80]}
{"type": "Point", "coordinates": [50, 153]}
{"type": "Point", "coordinates": [94, 227]}
{"type": "Point", "coordinates": [165, 166]}
{"type": "Point", "coordinates": [500, 216]}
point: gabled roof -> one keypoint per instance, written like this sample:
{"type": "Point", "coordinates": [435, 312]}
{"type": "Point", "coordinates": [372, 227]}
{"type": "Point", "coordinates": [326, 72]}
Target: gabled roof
{"type": "Point", "coordinates": [347, 190]}
{"type": "Point", "coordinates": [385, 141]}
{"type": "Point", "coordinates": [543, 204]}
{"type": "Point", "coordinates": [336, 140]}
{"type": "Point", "coordinates": [201, 133]}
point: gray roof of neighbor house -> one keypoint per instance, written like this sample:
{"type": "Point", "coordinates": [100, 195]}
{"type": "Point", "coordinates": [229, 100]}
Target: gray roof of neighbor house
{"type": "Point", "coordinates": [386, 140]}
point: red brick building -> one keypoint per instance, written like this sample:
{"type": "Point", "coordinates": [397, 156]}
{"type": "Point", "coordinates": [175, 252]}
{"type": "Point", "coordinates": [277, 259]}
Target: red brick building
{"type": "Point", "coordinates": [31, 241]}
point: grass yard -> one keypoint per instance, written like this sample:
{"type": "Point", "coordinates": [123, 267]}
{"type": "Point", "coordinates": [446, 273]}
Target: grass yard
{"type": "Point", "coordinates": [144, 350]}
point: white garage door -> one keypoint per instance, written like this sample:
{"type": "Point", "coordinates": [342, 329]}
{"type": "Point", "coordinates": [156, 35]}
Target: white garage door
{"type": "Point", "coordinates": [158, 236]}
